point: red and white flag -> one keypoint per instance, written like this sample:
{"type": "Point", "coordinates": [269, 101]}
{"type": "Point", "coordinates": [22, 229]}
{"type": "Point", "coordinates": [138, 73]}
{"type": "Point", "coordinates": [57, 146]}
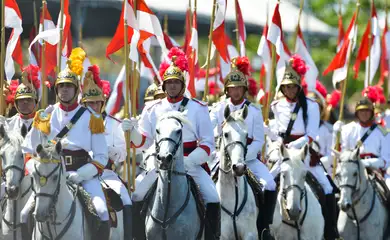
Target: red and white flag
{"type": "Point", "coordinates": [46, 23]}
{"type": "Point", "coordinates": [232, 53]}
{"type": "Point", "coordinates": [67, 33]}
{"type": "Point", "coordinates": [385, 57]}
{"type": "Point", "coordinates": [340, 37]}
{"type": "Point", "coordinates": [192, 54]}
{"type": "Point", "coordinates": [188, 29]}
{"type": "Point", "coordinates": [170, 42]}
{"type": "Point", "coordinates": [13, 19]}
{"type": "Point", "coordinates": [264, 52]}
{"type": "Point", "coordinates": [241, 29]}
{"type": "Point", "coordinates": [339, 62]}
{"type": "Point", "coordinates": [114, 102]}
{"type": "Point", "coordinates": [312, 73]}
{"type": "Point", "coordinates": [369, 51]}
{"type": "Point", "coordinates": [218, 35]}
{"type": "Point", "coordinates": [275, 36]}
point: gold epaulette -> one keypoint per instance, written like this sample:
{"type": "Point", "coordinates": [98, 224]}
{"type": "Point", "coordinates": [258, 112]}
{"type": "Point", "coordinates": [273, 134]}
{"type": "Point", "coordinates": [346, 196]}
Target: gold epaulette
{"type": "Point", "coordinates": [96, 122]}
{"type": "Point", "coordinates": [42, 121]}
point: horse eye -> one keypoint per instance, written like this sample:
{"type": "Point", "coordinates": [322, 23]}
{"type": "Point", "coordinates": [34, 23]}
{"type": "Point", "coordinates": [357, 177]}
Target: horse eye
{"type": "Point", "coordinates": [355, 174]}
{"type": "Point", "coordinates": [226, 135]}
{"type": "Point", "coordinates": [157, 131]}
{"type": "Point", "coordinates": [178, 131]}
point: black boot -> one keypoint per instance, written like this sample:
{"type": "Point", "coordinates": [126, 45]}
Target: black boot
{"type": "Point", "coordinates": [213, 221]}
{"type": "Point", "coordinates": [104, 231]}
{"type": "Point", "coordinates": [266, 215]}
{"type": "Point", "coordinates": [330, 216]}
{"type": "Point", "coordinates": [127, 222]}
{"type": "Point", "coordinates": [138, 221]}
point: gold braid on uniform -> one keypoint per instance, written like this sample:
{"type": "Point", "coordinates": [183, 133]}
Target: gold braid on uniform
{"type": "Point", "coordinates": [96, 123]}
{"type": "Point", "coordinates": [42, 122]}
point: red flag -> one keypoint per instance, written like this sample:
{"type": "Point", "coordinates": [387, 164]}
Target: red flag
{"type": "Point", "coordinates": [385, 55]}
{"type": "Point", "coordinates": [192, 54]}
{"type": "Point", "coordinates": [241, 28]}
{"type": "Point", "coordinates": [340, 37]}
{"type": "Point", "coordinates": [188, 30]}
{"type": "Point", "coordinates": [218, 35]}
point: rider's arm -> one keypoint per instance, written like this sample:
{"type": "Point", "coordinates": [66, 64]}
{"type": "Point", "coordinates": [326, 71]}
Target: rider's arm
{"type": "Point", "coordinates": [205, 131]}
{"type": "Point", "coordinates": [145, 130]}
{"type": "Point", "coordinates": [119, 140]}
{"type": "Point", "coordinates": [215, 121]}
{"type": "Point", "coordinates": [258, 135]}
{"type": "Point", "coordinates": [313, 120]}
{"type": "Point", "coordinates": [385, 149]}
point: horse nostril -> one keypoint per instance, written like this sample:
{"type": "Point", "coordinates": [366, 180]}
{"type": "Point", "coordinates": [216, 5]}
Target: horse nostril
{"type": "Point", "coordinates": [348, 205]}
{"type": "Point", "coordinates": [158, 157]}
{"type": "Point", "coordinates": [234, 167]}
{"type": "Point", "coordinates": [169, 157]}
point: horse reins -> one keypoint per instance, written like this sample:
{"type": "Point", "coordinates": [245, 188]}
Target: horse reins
{"type": "Point", "coordinates": [303, 194]}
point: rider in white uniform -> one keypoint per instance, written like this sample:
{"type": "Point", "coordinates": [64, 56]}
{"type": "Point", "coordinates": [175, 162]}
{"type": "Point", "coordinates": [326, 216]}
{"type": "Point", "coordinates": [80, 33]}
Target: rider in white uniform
{"type": "Point", "coordinates": [305, 125]}
{"type": "Point", "coordinates": [94, 94]}
{"type": "Point", "coordinates": [85, 135]}
{"type": "Point", "coordinates": [198, 142]}
{"type": "Point", "coordinates": [374, 150]}
{"type": "Point", "coordinates": [236, 86]}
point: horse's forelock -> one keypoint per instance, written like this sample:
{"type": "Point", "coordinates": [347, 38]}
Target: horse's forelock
{"type": "Point", "coordinates": [174, 114]}
{"type": "Point", "coordinates": [14, 140]}
{"type": "Point", "coordinates": [347, 156]}
{"type": "Point", "coordinates": [294, 156]}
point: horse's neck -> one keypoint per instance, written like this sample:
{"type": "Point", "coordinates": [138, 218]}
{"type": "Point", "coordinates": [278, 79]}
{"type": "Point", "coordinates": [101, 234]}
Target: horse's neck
{"type": "Point", "coordinates": [15, 206]}
{"type": "Point", "coordinates": [64, 201]}
{"type": "Point", "coordinates": [174, 197]}
{"type": "Point", "coordinates": [362, 207]}
{"type": "Point", "coordinates": [224, 178]}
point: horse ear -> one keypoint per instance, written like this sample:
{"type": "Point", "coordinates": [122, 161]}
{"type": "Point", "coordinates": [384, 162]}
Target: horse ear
{"type": "Point", "coordinates": [304, 151]}
{"type": "Point", "coordinates": [3, 133]}
{"type": "Point", "coordinates": [39, 148]}
{"type": "Point", "coordinates": [226, 112]}
{"type": "Point", "coordinates": [336, 153]}
{"type": "Point", "coordinates": [244, 112]}
{"type": "Point", "coordinates": [58, 147]}
{"type": "Point", "coordinates": [23, 131]}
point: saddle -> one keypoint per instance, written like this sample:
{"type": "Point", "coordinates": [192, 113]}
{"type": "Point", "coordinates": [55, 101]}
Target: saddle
{"type": "Point", "coordinates": [200, 205]}
{"type": "Point", "coordinates": [379, 184]}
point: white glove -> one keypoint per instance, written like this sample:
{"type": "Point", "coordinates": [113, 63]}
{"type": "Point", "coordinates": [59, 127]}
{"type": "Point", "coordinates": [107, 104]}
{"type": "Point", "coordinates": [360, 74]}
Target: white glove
{"type": "Point", "coordinates": [267, 131]}
{"type": "Point", "coordinates": [196, 158]}
{"type": "Point", "coordinates": [129, 124]}
{"type": "Point", "coordinates": [299, 143]}
{"type": "Point", "coordinates": [375, 163]}
{"type": "Point", "coordinates": [337, 126]}
{"type": "Point", "coordinates": [49, 109]}
{"type": "Point", "coordinates": [86, 172]}
{"type": "Point", "coordinates": [115, 154]}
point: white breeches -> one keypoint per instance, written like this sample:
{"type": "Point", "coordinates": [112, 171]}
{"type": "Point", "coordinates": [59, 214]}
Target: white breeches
{"type": "Point", "coordinates": [262, 174]}
{"type": "Point", "coordinates": [95, 190]}
{"type": "Point", "coordinates": [112, 180]}
{"type": "Point", "coordinates": [206, 185]}
{"type": "Point", "coordinates": [2, 190]}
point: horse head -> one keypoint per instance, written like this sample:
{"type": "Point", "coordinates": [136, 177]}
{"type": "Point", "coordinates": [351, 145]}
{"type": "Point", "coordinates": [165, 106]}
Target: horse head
{"type": "Point", "coordinates": [234, 141]}
{"type": "Point", "coordinates": [12, 160]}
{"type": "Point", "coordinates": [350, 177]}
{"type": "Point", "coordinates": [169, 135]}
{"type": "Point", "coordinates": [292, 180]}
{"type": "Point", "coordinates": [274, 152]}
{"type": "Point", "coordinates": [47, 172]}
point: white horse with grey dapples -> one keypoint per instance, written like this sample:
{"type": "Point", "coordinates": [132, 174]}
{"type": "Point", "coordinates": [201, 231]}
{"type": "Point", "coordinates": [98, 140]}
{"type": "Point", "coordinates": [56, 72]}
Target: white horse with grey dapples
{"type": "Point", "coordinates": [239, 211]}
{"type": "Point", "coordinates": [362, 214]}
{"type": "Point", "coordinates": [298, 214]}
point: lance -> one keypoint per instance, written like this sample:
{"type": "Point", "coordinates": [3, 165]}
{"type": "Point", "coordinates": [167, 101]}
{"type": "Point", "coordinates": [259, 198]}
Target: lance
{"type": "Point", "coordinates": [206, 88]}
{"type": "Point", "coordinates": [59, 49]}
{"type": "Point", "coordinates": [386, 80]}
{"type": "Point", "coordinates": [368, 70]}
{"type": "Point", "coordinates": [44, 98]}
{"type": "Point", "coordinates": [344, 84]}
{"type": "Point", "coordinates": [2, 55]}
{"type": "Point", "coordinates": [299, 20]}
{"type": "Point", "coordinates": [237, 27]}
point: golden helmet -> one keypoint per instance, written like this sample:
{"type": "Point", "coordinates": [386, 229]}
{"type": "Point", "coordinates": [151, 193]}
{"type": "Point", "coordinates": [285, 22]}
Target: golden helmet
{"type": "Point", "coordinates": [235, 77]}
{"type": "Point", "coordinates": [363, 104]}
{"type": "Point", "coordinates": [295, 70]}
{"type": "Point", "coordinates": [173, 72]}
{"type": "Point", "coordinates": [30, 84]}
{"type": "Point", "coordinates": [74, 68]}
{"type": "Point", "coordinates": [93, 86]}
{"type": "Point", "coordinates": [150, 91]}
{"type": "Point", "coordinates": [159, 93]}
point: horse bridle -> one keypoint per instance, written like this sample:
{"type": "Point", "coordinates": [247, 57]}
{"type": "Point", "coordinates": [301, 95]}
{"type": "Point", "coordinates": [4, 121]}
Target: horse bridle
{"type": "Point", "coordinates": [13, 166]}
{"type": "Point", "coordinates": [355, 188]}
{"type": "Point", "coordinates": [227, 155]}
{"type": "Point", "coordinates": [54, 196]}
{"type": "Point", "coordinates": [285, 190]}
{"type": "Point", "coordinates": [177, 144]}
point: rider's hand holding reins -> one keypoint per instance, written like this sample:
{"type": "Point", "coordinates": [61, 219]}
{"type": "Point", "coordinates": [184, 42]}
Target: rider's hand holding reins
{"type": "Point", "coordinates": [375, 163]}
{"type": "Point", "coordinates": [86, 172]}
{"type": "Point", "coordinates": [299, 143]}
{"type": "Point", "coordinates": [195, 158]}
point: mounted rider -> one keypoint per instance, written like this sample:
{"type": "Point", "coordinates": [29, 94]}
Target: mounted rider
{"type": "Point", "coordinates": [198, 140]}
{"type": "Point", "coordinates": [80, 130]}
{"type": "Point", "coordinates": [94, 95]}
{"type": "Point", "coordinates": [236, 87]}
{"type": "Point", "coordinates": [25, 98]}
{"type": "Point", "coordinates": [297, 120]}
{"type": "Point", "coordinates": [371, 138]}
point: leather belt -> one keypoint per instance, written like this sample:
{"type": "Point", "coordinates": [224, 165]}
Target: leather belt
{"type": "Point", "coordinates": [75, 159]}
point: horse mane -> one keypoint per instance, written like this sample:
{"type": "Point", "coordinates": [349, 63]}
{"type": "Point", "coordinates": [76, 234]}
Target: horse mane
{"type": "Point", "coordinates": [175, 114]}
{"type": "Point", "coordinates": [14, 139]}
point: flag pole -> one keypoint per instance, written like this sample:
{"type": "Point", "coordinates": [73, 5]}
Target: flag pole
{"type": "Point", "coordinates": [368, 70]}
{"type": "Point", "coordinates": [59, 49]}
{"type": "Point", "coordinates": [237, 27]}
{"type": "Point", "coordinates": [36, 24]}
{"type": "Point", "coordinates": [134, 96]}
{"type": "Point", "coordinates": [344, 84]}
{"type": "Point", "coordinates": [302, 2]}
{"type": "Point", "coordinates": [2, 55]}
{"type": "Point", "coordinates": [44, 98]}
{"type": "Point", "coordinates": [206, 88]}
{"type": "Point", "coordinates": [386, 80]}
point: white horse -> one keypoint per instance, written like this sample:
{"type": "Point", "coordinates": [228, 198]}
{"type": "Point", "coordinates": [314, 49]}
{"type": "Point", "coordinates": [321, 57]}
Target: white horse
{"type": "Point", "coordinates": [239, 211]}
{"type": "Point", "coordinates": [17, 185]}
{"type": "Point", "coordinates": [362, 215]}
{"type": "Point", "coordinates": [172, 212]}
{"type": "Point", "coordinates": [58, 211]}
{"type": "Point", "coordinates": [298, 213]}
